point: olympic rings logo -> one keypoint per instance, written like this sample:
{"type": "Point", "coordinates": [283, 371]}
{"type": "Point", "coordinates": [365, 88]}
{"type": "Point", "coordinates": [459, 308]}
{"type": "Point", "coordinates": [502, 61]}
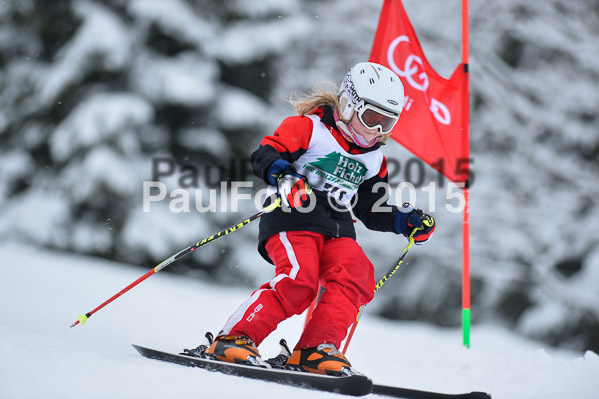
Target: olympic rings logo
{"type": "Point", "coordinates": [412, 65]}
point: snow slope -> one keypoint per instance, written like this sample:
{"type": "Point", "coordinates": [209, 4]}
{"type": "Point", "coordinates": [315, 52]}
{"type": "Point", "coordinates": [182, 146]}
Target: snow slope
{"type": "Point", "coordinates": [42, 292]}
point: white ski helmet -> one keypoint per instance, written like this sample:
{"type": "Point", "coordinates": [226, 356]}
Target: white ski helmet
{"type": "Point", "coordinates": [373, 91]}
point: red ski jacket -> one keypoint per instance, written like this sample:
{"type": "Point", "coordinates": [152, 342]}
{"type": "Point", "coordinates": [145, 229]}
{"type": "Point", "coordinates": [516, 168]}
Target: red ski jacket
{"type": "Point", "coordinates": [289, 142]}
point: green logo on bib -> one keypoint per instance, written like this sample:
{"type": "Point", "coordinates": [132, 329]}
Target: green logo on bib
{"type": "Point", "coordinates": [344, 168]}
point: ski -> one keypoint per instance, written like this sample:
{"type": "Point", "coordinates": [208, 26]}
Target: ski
{"type": "Point", "coordinates": [354, 385]}
{"type": "Point", "coordinates": [405, 393]}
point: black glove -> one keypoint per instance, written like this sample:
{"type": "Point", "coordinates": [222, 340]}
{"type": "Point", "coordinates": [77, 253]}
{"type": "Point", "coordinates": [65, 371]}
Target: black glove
{"type": "Point", "coordinates": [414, 223]}
{"type": "Point", "coordinates": [292, 187]}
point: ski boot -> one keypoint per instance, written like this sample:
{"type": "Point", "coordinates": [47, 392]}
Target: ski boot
{"type": "Point", "coordinates": [230, 348]}
{"type": "Point", "coordinates": [323, 359]}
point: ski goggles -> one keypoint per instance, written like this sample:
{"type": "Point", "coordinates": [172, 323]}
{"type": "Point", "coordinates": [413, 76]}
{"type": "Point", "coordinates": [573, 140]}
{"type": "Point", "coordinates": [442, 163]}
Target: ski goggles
{"type": "Point", "coordinates": [373, 117]}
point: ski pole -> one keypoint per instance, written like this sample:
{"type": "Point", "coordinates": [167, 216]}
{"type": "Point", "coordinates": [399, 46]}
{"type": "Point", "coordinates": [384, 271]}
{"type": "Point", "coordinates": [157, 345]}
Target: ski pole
{"type": "Point", "coordinates": [83, 318]}
{"type": "Point", "coordinates": [383, 280]}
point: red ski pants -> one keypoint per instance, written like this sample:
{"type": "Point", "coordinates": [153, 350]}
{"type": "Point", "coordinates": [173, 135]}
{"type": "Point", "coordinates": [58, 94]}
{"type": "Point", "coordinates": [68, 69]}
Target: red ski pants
{"type": "Point", "coordinates": [302, 261]}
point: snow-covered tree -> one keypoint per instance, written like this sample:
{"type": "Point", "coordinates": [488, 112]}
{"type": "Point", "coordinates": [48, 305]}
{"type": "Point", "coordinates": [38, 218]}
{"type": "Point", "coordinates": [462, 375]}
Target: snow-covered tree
{"type": "Point", "coordinates": [93, 92]}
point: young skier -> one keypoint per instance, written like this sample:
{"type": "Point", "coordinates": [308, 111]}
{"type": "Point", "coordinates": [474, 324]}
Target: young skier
{"type": "Point", "coordinates": [323, 163]}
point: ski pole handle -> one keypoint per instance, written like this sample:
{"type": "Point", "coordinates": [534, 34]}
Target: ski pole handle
{"type": "Point", "coordinates": [83, 318]}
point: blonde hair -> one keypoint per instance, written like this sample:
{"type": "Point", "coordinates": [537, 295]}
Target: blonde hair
{"type": "Point", "coordinates": [322, 94]}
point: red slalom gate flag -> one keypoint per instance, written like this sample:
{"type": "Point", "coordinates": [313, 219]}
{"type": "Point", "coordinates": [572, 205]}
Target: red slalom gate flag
{"type": "Point", "coordinates": [434, 122]}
